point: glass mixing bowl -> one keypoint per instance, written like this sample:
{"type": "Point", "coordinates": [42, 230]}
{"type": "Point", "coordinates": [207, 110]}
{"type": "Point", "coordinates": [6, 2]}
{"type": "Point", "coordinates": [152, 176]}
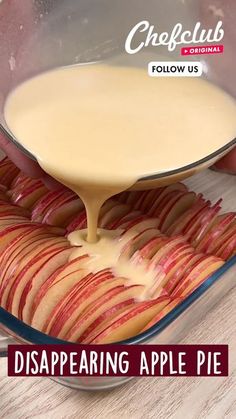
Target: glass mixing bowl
{"type": "Point", "coordinates": [38, 35]}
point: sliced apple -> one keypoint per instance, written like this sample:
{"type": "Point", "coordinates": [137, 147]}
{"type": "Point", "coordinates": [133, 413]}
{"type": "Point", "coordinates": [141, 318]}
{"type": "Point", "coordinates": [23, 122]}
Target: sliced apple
{"type": "Point", "coordinates": [204, 218]}
{"type": "Point", "coordinates": [132, 198]}
{"type": "Point", "coordinates": [24, 184]}
{"type": "Point", "coordinates": [114, 213]}
{"type": "Point", "coordinates": [61, 293]}
{"type": "Point", "coordinates": [133, 222]}
{"type": "Point", "coordinates": [103, 308]}
{"type": "Point", "coordinates": [8, 172]}
{"type": "Point", "coordinates": [109, 204]}
{"type": "Point", "coordinates": [14, 248]}
{"type": "Point", "coordinates": [175, 209]}
{"type": "Point", "coordinates": [10, 220]}
{"type": "Point", "coordinates": [166, 249]}
{"type": "Point", "coordinates": [161, 197]}
{"type": "Point", "coordinates": [43, 204]}
{"type": "Point", "coordinates": [139, 240]}
{"type": "Point", "coordinates": [69, 312]}
{"type": "Point", "coordinates": [9, 176]}
{"type": "Point", "coordinates": [105, 320]}
{"type": "Point", "coordinates": [49, 299]}
{"type": "Point", "coordinates": [63, 213]}
{"type": "Point", "coordinates": [13, 210]}
{"type": "Point", "coordinates": [131, 216]}
{"type": "Point", "coordinates": [198, 280]}
{"type": "Point", "coordinates": [72, 267]}
{"type": "Point", "coordinates": [29, 196]}
{"type": "Point", "coordinates": [32, 252]}
{"type": "Point", "coordinates": [209, 220]}
{"type": "Point", "coordinates": [220, 241]}
{"type": "Point", "coordinates": [130, 322]}
{"type": "Point", "coordinates": [13, 291]}
{"type": "Point", "coordinates": [218, 228]}
{"type": "Point", "coordinates": [20, 179]}
{"type": "Point", "coordinates": [228, 249]}
{"type": "Point", "coordinates": [14, 253]}
{"type": "Point", "coordinates": [198, 274]}
{"type": "Point", "coordinates": [166, 310]}
{"type": "Point", "coordinates": [9, 233]}
{"type": "Point", "coordinates": [181, 269]}
{"type": "Point", "coordinates": [148, 199]}
{"type": "Point", "coordinates": [122, 197]}
{"type": "Point", "coordinates": [79, 222]}
{"type": "Point", "coordinates": [186, 219]}
{"type": "Point", "coordinates": [56, 260]}
{"type": "Point", "coordinates": [140, 224]}
{"type": "Point", "coordinates": [169, 268]}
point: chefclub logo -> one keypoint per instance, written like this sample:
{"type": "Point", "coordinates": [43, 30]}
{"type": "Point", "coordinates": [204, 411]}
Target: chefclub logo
{"type": "Point", "coordinates": [178, 36]}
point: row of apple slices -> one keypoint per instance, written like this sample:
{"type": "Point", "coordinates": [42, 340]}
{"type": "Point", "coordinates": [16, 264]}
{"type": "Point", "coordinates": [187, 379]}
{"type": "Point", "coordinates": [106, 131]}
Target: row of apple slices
{"type": "Point", "coordinates": [40, 286]}
{"type": "Point", "coordinates": [174, 207]}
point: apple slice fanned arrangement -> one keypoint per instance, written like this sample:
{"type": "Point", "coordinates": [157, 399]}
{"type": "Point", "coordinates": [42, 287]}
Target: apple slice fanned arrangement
{"type": "Point", "coordinates": [178, 234]}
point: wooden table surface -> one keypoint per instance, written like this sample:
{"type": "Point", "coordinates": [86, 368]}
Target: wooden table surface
{"type": "Point", "coordinates": [162, 398]}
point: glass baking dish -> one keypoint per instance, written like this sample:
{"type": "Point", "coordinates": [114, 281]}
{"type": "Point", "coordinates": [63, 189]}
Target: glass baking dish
{"type": "Point", "coordinates": [169, 330]}
{"type": "Point", "coordinates": [44, 34]}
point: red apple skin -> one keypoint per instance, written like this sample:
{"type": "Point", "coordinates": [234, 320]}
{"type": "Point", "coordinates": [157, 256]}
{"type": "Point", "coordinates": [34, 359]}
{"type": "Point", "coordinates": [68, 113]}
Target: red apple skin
{"type": "Point", "coordinates": [176, 278]}
{"type": "Point", "coordinates": [88, 335]}
{"type": "Point", "coordinates": [131, 315]}
{"type": "Point", "coordinates": [9, 233]}
{"type": "Point", "coordinates": [13, 254]}
{"type": "Point", "coordinates": [10, 209]}
{"type": "Point", "coordinates": [220, 241]}
{"type": "Point", "coordinates": [138, 240]}
{"type": "Point", "coordinates": [29, 196]}
{"type": "Point", "coordinates": [19, 179]}
{"type": "Point", "coordinates": [179, 206]}
{"type": "Point", "coordinates": [11, 282]}
{"type": "Point", "coordinates": [44, 203]}
{"type": "Point", "coordinates": [193, 275]}
{"type": "Point", "coordinates": [166, 310]}
{"type": "Point", "coordinates": [112, 215]}
{"type": "Point", "coordinates": [52, 280]}
{"type": "Point", "coordinates": [8, 172]}
{"type": "Point", "coordinates": [132, 223]}
{"type": "Point", "coordinates": [228, 250]}
{"type": "Point", "coordinates": [60, 325]}
{"type": "Point", "coordinates": [221, 224]}
{"type": "Point", "coordinates": [159, 199]}
{"type": "Point", "coordinates": [187, 218]}
{"type": "Point", "coordinates": [193, 285]}
{"type": "Point", "coordinates": [79, 222]}
{"type": "Point", "coordinates": [133, 215]}
{"type": "Point", "coordinates": [207, 220]}
{"type": "Point", "coordinates": [57, 259]}
{"type": "Point", "coordinates": [109, 304]}
{"type": "Point", "coordinates": [72, 293]}
{"type": "Point", "coordinates": [63, 213]}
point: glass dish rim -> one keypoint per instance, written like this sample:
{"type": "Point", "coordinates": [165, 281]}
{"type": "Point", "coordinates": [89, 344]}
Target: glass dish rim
{"type": "Point", "coordinates": [33, 336]}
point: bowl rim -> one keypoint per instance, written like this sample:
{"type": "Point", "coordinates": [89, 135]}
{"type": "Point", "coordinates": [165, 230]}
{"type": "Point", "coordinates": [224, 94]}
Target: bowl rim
{"type": "Point", "coordinates": [227, 147]}
{"type": "Point", "coordinates": [222, 150]}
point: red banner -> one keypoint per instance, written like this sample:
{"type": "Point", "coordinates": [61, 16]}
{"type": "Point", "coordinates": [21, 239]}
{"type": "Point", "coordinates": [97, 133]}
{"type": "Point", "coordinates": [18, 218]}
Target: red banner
{"type": "Point", "coordinates": [203, 49]}
{"type": "Point", "coordinates": [118, 360]}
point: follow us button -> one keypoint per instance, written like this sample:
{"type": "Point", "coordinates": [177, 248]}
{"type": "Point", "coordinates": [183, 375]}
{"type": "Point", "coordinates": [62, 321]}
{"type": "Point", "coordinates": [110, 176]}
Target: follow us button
{"type": "Point", "coordinates": [175, 69]}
